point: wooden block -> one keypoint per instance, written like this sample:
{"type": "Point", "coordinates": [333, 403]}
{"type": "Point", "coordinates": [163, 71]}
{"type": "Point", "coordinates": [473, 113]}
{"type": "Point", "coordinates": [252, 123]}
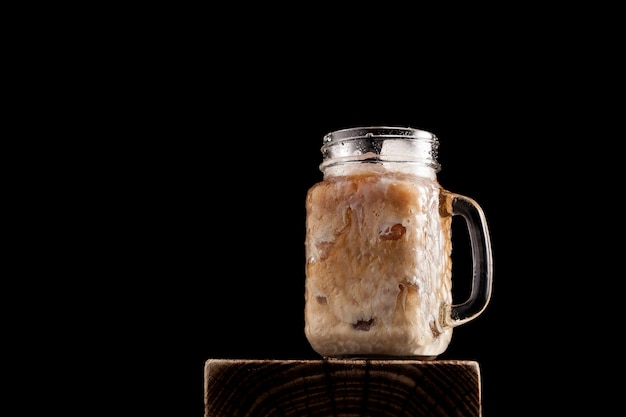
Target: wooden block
{"type": "Point", "coordinates": [341, 387]}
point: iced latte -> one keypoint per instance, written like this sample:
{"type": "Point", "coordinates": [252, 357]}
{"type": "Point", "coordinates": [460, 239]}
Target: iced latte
{"type": "Point", "coordinates": [378, 265]}
{"type": "Point", "coordinates": [378, 248]}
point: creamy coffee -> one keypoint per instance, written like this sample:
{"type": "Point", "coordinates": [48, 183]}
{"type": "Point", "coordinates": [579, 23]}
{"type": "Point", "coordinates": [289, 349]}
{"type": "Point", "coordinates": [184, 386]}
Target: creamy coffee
{"type": "Point", "coordinates": [378, 265]}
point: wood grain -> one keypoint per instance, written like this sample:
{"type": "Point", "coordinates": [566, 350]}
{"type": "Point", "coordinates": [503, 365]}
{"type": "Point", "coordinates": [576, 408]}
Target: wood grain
{"type": "Point", "coordinates": [341, 387]}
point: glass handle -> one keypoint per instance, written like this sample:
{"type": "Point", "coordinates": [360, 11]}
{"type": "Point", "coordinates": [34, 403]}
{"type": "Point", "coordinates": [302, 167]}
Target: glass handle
{"type": "Point", "coordinates": [482, 263]}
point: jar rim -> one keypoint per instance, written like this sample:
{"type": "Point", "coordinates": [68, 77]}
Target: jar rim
{"type": "Point", "coordinates": [355, 133]}
{"type": "Point", "coordinates": [392, 146]}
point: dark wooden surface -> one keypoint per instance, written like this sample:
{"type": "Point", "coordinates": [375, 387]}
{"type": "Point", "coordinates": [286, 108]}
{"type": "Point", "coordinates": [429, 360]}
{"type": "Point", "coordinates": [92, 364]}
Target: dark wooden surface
{"type": "Point", "coordinates": [341, 387]}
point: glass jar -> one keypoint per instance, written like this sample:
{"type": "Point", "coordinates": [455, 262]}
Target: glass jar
{"type": "Point", "coordinates": [378, 248]}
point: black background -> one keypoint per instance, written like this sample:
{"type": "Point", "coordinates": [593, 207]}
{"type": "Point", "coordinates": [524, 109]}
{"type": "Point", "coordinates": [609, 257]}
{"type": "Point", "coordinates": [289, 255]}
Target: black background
{"type": "Point", "coordinates": [225, 142]}
{"type": "Point", "coordinates": [164, 158]}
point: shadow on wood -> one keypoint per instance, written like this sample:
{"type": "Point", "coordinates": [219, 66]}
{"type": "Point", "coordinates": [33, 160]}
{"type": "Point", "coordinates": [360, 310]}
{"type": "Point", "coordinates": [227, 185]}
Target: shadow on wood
{"type": "Point", "coordinates": [341, 387]}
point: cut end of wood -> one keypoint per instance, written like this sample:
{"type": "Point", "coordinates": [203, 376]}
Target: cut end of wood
{"type": "Point", "coordinates": [341, 387]}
